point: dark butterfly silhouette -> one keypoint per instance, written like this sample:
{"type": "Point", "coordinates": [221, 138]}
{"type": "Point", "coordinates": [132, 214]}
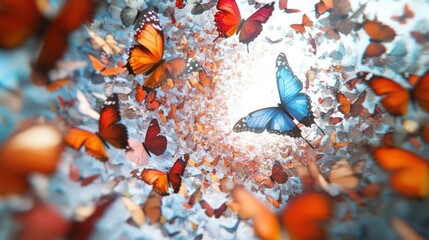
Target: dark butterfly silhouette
{"type": "Point", "coordinates": [294, 105]}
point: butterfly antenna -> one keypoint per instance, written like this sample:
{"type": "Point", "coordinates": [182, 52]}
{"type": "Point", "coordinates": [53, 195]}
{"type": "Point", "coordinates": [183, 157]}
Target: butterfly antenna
{"type": "Point", "coordinates": [308, 142]}
{"type": "Point", "coordinates": [320, 128]}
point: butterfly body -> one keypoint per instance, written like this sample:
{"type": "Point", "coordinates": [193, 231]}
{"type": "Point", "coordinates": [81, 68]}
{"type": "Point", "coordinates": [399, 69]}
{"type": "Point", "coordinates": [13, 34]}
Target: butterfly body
{"type": "Point", "coordinates": [293, 105]}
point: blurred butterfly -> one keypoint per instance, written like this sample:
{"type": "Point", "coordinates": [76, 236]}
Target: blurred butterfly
{"type": "Point", "coordinates": [274, 202]}
{"type": "Point", "coordinates": [396, 98]}
{"type": "Point", "coordinates": [300, 28]}
{"type": "Point", "coordinates": [200, 7]}
{"type": "Point", "coordinates": [153, 143]}
{"type": "Point", "coordinates": [378, 33]}
{"type": "Point", "coordinates": [151, 209]}
{"type": "Point", "coordinates": [420, 37]}
{"type": "Point", "coordinates": [195, 197]}
{"type": "Point", "coordinates": [109, 131]}
{"type": "Point", "coordinates": [108, 45]}
{"type": "Point", "coordinates": [339, 17]}
{"type": "Point", "coordinates": [294, 105]}
{"type": "Point", "coordinates": [228, 21]}
{"type": "Point", "coordinates": [66, 103]}
{"type": "Point", "coordinates": [132, 15]}
{"type": "Point", "coordinates": [210, 212]}
{"type": "Point", "coordinates": [350, 109]}
{"type": "Point", "coordinates": [323, 6]}
{"type": "Point", "coordinates": [410, 172]}
{"type": "Point", "coordinates": [408, 14]}
{"type": "Point", "coordinates": [180, 4]}
{"type": "Point", "coordinates": [24, 154]}
{"type": "Point", "coordinates": [103, 67]}
{"type": "Point", "coordinates": [305, 214]}
{"type": "Point", "coordinates": [351, 84]}
{"type": "Point", "coordinates": [162, 180]}
{"type": "Point", "coordinates": [331, 32]}
{"type": "Point", "coordinates": [278, 175]}
{"type": "Point", "coordinates": [346, 175]}
{"type": "Point", "coordinates": [283, 6]}
{"type": "Point", "coordinates": [85, 108]}
{"type": "Point", "coordinates": [147, 57]}
{"type": "Point", "coordinates": [203, 82]}
{"type": "Point", "coordinates": [337, 145]}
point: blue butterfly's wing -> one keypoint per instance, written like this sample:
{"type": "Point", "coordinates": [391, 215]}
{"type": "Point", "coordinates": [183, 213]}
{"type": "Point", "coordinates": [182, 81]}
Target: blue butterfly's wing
{"type": "Point", "coordinates": [297, 104]}
{"type": "Point", "coordinates": [273, 119]}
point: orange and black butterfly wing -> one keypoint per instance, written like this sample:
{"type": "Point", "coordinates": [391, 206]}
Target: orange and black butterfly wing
{"type": "Point", "coordinates": [109, 129]}
{"type": "Point", "coordinates": [144, 57]}
{"type": "Point", "coordinates": [278, 174]}
{"type": "Point", "coordinates": [344, 103]}
{"type": "Point", "coordinates": [154, 142]}
{"type": "Point", "coordinates": [252, 26]}
{"type": "Point", "coordinates": [410, 172]}
{"type": "Point", "coordinates": [94, 146]}
{"type": "Point", "coordinates": [176, 172]}
{"type": "Point", "coordinates": [227, 18]}
{"type": "Point", "coordinates": [421, 92]}
{"type": "Point", "coordinates": [395, 97]}
{"type": "Point", "coordinates": [156, 178]}
{"type": "Point", "coordinates": [140, 93]}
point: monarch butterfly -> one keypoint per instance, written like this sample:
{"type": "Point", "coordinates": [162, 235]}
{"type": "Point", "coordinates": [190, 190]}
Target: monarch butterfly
{"type": "Point", "coordinates": [410, 172]}
{"type": "Point", "coordinates": [162, 180]}
{"type": "Point", "coordinates": [109, 131]}
{"type": "Point", "coordinates": [350, 109]}
{"type": "Point", "coordinates": [378, 33]}
{"type": "Point", "coordinates": [153, 143]}
{"type": "Point", "coordinates": [407, 14]}
{"type": "Point", "coordinates": [147, 57]}
{"type": "Point", "coordinates": [228, 21]}
{"type": "Point", "coordinates": [300, 28]}
{"type": "Point", "coordinates": [396, 98]}
{"type": "Point", "coordinates": [213, 212]}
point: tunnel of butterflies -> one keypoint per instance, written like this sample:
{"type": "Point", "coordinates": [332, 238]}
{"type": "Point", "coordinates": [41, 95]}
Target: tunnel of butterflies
{"type": "Point", "coordinates": [214, 119]}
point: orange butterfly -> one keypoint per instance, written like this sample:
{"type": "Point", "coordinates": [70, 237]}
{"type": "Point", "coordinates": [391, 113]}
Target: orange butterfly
{"type": "Point", "coordinates": [109, 131]}
{"type": "Point", "coordinates": [24, 154]}
{"type": "Point", "coordinates": [210, 212]}
{"type": "Point", "coordinates": [323, 6]}
{"type": "Point", "coordinates": [408, 14]}
{"type": "Point", "coordinates": [300, 28]}
{"type": "Point", "coordinates": [162, 180]}
{"type": "Point", "coordinates": [378, 33]}
{"type": "Point", "coordinates": [350, 109]}
{"type": "Point", "coordinates": [103, 67]}
{"type": "Point", "coordinates": [278, 175]}
{"type": "Point", "coordinates": [147, 57]}
{"type": "Point", "coordinates": [410, 172]}
{"type": "Point", "coordinates": [203, 83]}
{"type": "Point", "coordinates": [396, 97]}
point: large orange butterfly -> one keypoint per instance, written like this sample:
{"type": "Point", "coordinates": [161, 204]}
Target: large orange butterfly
{"type": "Point", "coordinates": [378, 33]}
{"type": "Point", "coordinates": [396, 98]}
{"type": "Point", "coordinates": [228, 21]}
{"type": "Point", "coordinates": [28, 20]}
{"type": "Point", "coordinates": [162, 180]}
{"type": "Point", "coordinates": [109, 131]}
{"type": "Point", "coordinates": [147, 57]}
{"type": "Point", "coordinates": [410, 172]}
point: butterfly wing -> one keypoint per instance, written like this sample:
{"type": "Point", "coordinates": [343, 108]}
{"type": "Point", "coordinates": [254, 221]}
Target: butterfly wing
{"type": "Point", "coordinates": [344, 102]}
{"type": "Point", "coordinates": [298, 105]}
{"type": "Point", "coordinates": [357, 106]}
{"type": "Point", "coordinates": [273, 119]}
{"type": "Point", "coordinates": [156, 178]}
{"type": "Point", "coordinates": [410, 173]}
{"type": "Point", "coordinates": [421, 92]}
{"type": "Point", "coordinates": [137, 153]}
{"type": "Point", "coordinates": [396, 98]}
{"type": "Point", "coordinates": [153, 142]}
{"type": "Point", "coordinates": [252, 26]}
{"type": "Point", "coordinates": [140, 93]}
{"type": "Point", "coordinates": [227, 19]}
{"type": "Point", "coordinates": [278, 174]}
{"type": "Point", "coordinates": [176, 172]}
{"type": "Point", "coordinates": [378, 31]}
{"type": "Point", "coordinates": [77, 138]}
{"type": "Point", "coordinates": [152, 207]}
{"type": "Point", "coordinates": [109, 129]}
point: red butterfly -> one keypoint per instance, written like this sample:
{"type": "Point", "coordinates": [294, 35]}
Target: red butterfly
{"type": "Point", "coordinates": [378, 33]}
{"type": "Point", "coordinates": [29, 20]}
{"type": "Point", "coordinates": [162, 180]}
{"type": "Point", "coordinates": [300, 28]}
{"type": "Point", "coordinates": [180, 4]}
{"type": "Point", "coordinates": [228, 21]}
{"type": "Point", "coordinates": [66, 103]}
{"type": "Point", "coordinates": [213, 212]}
{"type": "Point", "coordinates": [283, 6]}
{"type": "Point", "coordinates": [153, 143]}
{"type": "Point", "coordinates": [421, 38]}
{"type": "Point", "coordinates": [109, 131]}
{"type": "Point", "coordinates": [408, 14]}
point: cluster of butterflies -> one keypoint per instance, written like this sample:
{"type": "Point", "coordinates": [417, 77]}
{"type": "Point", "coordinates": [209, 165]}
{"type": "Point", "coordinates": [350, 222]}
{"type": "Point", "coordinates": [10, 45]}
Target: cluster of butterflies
{"type": "Point", "coordinates": [303, 214]}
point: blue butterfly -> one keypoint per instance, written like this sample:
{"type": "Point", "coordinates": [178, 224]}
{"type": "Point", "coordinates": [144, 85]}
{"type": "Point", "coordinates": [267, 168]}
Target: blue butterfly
{"type": "Point", "coordinates": [294, 105]}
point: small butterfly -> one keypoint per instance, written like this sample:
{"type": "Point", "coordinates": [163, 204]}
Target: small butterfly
{"type": "Point", "coordinates": [378, 33]}
{"type": "Point", "coordinates": [103, 67]}
{"type": "Point", "coordinates": [210, 212]}
{"type": "Point", "coordinates": [350, 109]}
{"type": "Point", "coordinates": [300, 28]}
{"type": "Point", "coordinates": [408, 14]}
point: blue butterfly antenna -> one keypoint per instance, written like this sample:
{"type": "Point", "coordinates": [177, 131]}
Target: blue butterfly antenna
{"type": "Point", "coordinates": [308, 142]}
